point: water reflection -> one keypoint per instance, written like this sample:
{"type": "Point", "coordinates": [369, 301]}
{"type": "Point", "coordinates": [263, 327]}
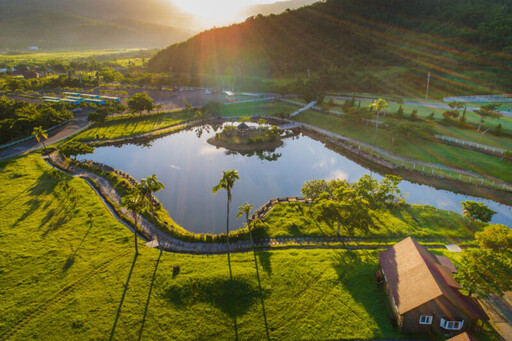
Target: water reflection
{"type": "Point", "coordinates": [189, 167]}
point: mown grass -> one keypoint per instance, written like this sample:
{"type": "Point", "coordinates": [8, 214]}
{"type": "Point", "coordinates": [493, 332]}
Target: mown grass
{"type": "Point", "coordinates": [257, 108]}
{"type": "Point", "coordinates": [124, 126]}
{"type": "Point", "coordinates": [422, 222]}
{"type": "Point", "coordinates": [48, 243]}
{"type": "Point", "coordinates": [414, 148]}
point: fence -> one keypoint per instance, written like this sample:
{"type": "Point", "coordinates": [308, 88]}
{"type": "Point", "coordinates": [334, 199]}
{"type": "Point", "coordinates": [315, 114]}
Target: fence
{"type": "Point", "coordinates": [470, 144]}
{"type": "Point", "coordinates": [480, 98]}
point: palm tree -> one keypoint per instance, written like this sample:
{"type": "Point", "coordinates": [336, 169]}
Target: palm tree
{"type": "Point", "coordinates": [226, 182]}
{"type": "Point", "coordinates": [378, 105]}
{"type": "Point", "coordinates": [41, 135]}
{"type": "Point", "coordinates": [246, 209]}
{"type": "Point", "coordinates": [134, 203]}
{"type": "Point", "coordinates": [147, 187]}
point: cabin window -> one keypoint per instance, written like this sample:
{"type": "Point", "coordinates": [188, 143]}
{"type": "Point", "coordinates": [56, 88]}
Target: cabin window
{"type": "Point", "coordinates": [425, 319]}
{"type": "Point", "coordinates": [451, 325]}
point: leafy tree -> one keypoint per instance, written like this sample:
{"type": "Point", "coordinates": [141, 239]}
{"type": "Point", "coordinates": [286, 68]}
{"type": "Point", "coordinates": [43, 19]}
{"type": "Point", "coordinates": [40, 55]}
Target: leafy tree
{"type": "Point", "coordinates": [342, 205]}
{"type": "Point", "coordinates": [486, 111]}
{"type": "Point", "coordinates": [312, 190]}
{"type": "Point", "coordinates": [378, 105]}
{"type": "Point", "coordinates": [198, 115]}
{"type": "Point", "coordinates": [140, 102]}
{"type": "Point", "coordinates": [495, 237]}
{"type": "Point", "coordinates": [97, 117]}
{"type": "Point", "coordinates": [484, 272]}
{"type": "Point", "coordinates": [134, 203]}
{"type": "Point", "coordinates": [188, 106]}
{"type": "Point", "coordinates": [450, 115]}
{"type": "Point", "coordinates": [477, 211]}
{"type": "Point", "coordinates": [75, 148]}
{"type": "Point", "coordinates": [226, 182]}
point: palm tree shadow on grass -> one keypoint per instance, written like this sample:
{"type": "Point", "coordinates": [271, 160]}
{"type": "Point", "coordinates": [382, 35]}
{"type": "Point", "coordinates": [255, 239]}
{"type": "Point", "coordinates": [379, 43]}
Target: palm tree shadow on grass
{"type": "Point", "coordinates": [71, 259]}
{"type": "Point", "coordinates": [149, 296]}
{"type": "Point", "coordinates": [122, 297]}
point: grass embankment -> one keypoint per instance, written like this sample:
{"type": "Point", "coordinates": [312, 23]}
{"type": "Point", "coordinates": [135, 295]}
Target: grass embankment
{"type": "Point", "coordinates": [414, 148]}
{"type": "Point", "coordinates": [422, 222]}
{"type": "Point", "coordinates": [129, 125]}
{"type": "Point", "coordinates": [49, 243]}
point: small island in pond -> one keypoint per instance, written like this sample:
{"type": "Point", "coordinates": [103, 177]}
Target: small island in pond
{"type": "Point", "coordinates": [244, 138]}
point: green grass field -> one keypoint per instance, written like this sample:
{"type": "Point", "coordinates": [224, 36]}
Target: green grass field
{"type": "Point", "coordinates": [422, 222]}
{"type": "Point", "coordinates": [415, 148]}
{"type": "Point", "coordinates": [128, 125]}
{"type": "Point", "coordinates": [257, 108]}
{"type": "Point", "coordinates": [77, 269]}
{"type": "Point", "coordinates": [37, 56]}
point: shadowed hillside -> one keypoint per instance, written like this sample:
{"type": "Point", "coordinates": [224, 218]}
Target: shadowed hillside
{"type": "Point", "coordinates": [381, 44]}
{"type": "Point", "coordinates": [22, 26]}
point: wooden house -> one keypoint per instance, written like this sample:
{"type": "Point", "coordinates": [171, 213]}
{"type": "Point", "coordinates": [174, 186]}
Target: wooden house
{"type": "Point", "coordinates": [424, 296]}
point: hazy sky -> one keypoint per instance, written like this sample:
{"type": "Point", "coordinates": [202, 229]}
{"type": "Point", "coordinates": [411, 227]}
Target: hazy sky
{"type": "Point", "coordinates": [217, 12]}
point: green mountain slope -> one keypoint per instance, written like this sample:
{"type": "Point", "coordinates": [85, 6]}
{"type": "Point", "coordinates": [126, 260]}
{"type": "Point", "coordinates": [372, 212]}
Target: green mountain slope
{"type": "Point", "coordinates": [21, 27]}
{"type": "Point", "coordinates": [381, 44]}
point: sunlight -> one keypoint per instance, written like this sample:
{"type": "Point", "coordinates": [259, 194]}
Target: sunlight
{"type": "Point", "coordinates": [217, 11]}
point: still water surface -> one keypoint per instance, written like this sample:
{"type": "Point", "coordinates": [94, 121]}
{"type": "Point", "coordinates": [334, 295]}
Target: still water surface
{"type": "Point", "coordinates": [189, 167]}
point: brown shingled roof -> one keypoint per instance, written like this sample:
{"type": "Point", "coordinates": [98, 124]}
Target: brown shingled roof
{"type": "Point", "coordinates": [415, 276]}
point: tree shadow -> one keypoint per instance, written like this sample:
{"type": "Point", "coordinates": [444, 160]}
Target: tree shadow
{"type": "Point", "coordinates": [233, 297]}
{"type": "Point", "coordinates": [356, 273]}
{"type": "Point", "coordinates": [149, 295]}
{"type": "Point", "coordinates": [122, 297]}
{"type": "Point", "coordinates": [261, 294]}
{"type": "Point", "coordinates": [264, 258]}
{"type": "Point", "coordinates": [71, 259]}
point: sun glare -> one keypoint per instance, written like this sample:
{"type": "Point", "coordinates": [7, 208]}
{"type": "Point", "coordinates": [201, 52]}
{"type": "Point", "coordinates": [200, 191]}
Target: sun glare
{"type": "Point", "coordinates": [219, 10]}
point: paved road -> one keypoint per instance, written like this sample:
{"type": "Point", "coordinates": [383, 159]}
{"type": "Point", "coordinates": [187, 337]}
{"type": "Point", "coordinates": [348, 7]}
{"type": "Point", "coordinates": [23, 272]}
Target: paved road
{"type": "Point", "coordinates": [53, 136]}
{"type": "Point", "coordinates": [421, 104]}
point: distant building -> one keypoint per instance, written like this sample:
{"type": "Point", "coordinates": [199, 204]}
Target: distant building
{"type": "Point", "coordinates": [33, 48]}
{"type": "Point", "coordinates": [243, 129]}
{"type": "Point", "coordinates": [424, 296]}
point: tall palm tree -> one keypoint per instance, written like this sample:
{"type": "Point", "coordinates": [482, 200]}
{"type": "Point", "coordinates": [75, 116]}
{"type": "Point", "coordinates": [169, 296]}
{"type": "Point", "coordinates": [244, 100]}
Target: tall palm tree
{"type": "Point", "coordinates": [41, 135]}
{"type": "Point", "coordinates": [226, 182]}
{"type": "Point", "coordinates": [378, 105]}
{"type": "Point", "coordinates": [246, 209]}
{"type": "Point", "coordinates": [134, 203]}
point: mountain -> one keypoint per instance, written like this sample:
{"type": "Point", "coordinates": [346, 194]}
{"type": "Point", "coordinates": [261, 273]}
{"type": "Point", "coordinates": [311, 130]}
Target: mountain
{"type": "Point", "coordinates": [463, 43]}
{"type": "Point", "coordinates": [276, 8]}
{"type": "Point", "coordinates": [35, 23]}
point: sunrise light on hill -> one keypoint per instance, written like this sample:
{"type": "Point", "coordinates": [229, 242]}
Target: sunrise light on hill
{"type": "Point", "coordinates": [217, 12]}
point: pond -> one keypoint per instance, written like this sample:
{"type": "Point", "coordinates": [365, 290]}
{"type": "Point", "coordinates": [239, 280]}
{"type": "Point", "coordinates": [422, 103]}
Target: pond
{"type": "Point", "coordinates": [189, 167]}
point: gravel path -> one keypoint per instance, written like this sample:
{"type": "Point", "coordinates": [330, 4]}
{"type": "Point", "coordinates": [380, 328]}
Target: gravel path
{"type": "Point", "coordinates": [157, 238]}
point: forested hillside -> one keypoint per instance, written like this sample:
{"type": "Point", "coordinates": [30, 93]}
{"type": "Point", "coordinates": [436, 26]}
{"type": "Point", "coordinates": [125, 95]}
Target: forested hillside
{"type": "Point", "coordinates": [363, 45]}
{"type": "Point", "coordinates": [21, 27]}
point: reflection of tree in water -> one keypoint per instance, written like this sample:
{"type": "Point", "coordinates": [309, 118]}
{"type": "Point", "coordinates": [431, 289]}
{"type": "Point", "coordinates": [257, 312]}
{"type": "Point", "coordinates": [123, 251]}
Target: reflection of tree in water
{"type": "Point", "coordinates": [264, 155]}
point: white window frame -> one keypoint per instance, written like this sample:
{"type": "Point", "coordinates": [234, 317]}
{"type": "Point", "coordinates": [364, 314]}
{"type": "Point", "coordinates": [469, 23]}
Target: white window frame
{"type": "Point", "coordinates": [451, 325]}
{"type": "Point", "coordinates": [426, 319]}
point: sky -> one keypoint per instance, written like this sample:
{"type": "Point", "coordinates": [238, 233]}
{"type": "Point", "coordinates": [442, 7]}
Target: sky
{"type": "Point", "coordinates": [210, 13]}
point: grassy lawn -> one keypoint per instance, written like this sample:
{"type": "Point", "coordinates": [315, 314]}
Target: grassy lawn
{"type": "Point", "coordinates": [423, 150]}
{"type": "Point", "coordinates": [53, 256]}
{"type": "Point", "coordinates": [257, 108]}
{"type": "Point", "coordinates": [422, 222]}
{"type": "Point", "coordinates": [123, 126]}
{"type": "Point", "coordinates": [63, 55]}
